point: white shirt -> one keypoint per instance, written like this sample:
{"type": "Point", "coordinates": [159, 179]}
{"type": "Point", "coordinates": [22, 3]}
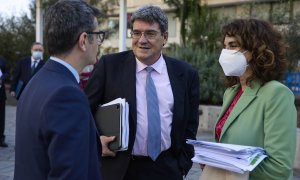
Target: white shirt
{"type": "Point", "coordinates": [165, 102]}
{"type": "Point", "coordinates": [68, 66]}
{"type": "Point", "coordinates": [32, 62]}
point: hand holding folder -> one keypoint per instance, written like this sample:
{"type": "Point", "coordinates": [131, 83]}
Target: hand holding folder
{"type": "Point", "coordinates": [112, 120]}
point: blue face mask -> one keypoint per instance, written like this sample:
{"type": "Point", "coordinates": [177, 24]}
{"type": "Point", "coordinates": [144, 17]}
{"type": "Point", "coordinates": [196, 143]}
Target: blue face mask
{"type": "Point", "coordinates": [37, 55]}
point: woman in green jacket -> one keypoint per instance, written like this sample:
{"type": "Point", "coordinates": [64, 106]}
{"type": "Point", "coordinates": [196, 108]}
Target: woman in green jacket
{"type": "Point", "coordinates": [257, 109]}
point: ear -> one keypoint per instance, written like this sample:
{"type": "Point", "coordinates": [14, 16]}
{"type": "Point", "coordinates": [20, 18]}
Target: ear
{"type": "Point", "coordinates": [82, 41]}
{"type": "Point", "coordinates": [165, 36]}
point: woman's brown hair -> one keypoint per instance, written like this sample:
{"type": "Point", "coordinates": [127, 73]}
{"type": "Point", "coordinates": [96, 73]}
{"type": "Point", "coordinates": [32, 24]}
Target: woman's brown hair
{"type": "Point", "coordinates": [266, 44]}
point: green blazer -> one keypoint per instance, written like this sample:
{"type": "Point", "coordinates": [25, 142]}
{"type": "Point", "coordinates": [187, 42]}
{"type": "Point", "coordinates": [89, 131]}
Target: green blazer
{"type": "Point", "coordinates": [264, 116]}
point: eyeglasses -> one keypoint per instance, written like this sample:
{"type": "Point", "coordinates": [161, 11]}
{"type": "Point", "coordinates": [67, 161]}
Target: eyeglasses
{"type": "Point", "coordinates": [151, 34]}
{"type": "Point", "coordinates": [100, 35]}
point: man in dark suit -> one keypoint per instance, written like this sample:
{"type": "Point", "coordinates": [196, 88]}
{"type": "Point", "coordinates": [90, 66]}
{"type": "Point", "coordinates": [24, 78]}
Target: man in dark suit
{"type": "Point", "coordinates": [4, 75]}
{"type": "Point", "coordinates": [56, 136]}
{"type": "Point", "coordinates": [26, 68]}
{"type": "Point", "coordinates": [174, 103]}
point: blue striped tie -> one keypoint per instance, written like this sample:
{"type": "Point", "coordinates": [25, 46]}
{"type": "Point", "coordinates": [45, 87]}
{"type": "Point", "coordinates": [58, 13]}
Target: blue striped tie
{"type": "Point", "coordinates": [154, 130]}
{"type": "Point", "coordinates": [33, 67]}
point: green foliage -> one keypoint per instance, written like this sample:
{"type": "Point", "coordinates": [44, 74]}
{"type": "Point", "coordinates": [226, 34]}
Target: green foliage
{"type": "Point", "coordinates": [17, 35]}
{"type": "Point", "coordinates": [182, 9]}
{"type": "Point", "coordinates": [200, 34]}
{"type": "Point", "coordinates": [206, 62]}
{"type": "Point", "coordinates": [292, 35]}
{"type": "Point", "coordinates": [198, 24]}
{"type": "Point", "coordinates": [203, 28]}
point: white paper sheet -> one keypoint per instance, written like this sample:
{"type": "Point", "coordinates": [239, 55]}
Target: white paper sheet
{"type": "Point", "coordinates": [236, 158]}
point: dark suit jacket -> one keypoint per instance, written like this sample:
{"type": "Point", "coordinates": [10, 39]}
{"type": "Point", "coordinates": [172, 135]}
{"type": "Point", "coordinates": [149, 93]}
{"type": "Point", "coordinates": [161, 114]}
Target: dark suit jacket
{"type": "Point", "coordinates": [4, 77]}
{"type": "Point", "coordinates": [56, 136]}
{"type": "Point", "coordinates": [23, 72]}
{"type": "Point", "coordinates": [115, 76]}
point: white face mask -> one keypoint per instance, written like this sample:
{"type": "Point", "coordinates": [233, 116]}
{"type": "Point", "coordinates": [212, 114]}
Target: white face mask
{"type": "Point", "coordinates": [37, 55]}
{"type": "Point", "coordinates": [233, 62]}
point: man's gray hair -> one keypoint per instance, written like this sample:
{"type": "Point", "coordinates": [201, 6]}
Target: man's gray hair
{"type": "Point", "coordinates": [151, 14]}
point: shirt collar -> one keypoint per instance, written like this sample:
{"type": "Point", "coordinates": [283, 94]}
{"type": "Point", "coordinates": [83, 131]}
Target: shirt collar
{"type": "Point", "coordinates": [32, 60]}
{"type": "Point", "coordinates": [157, 66]}
{"type": "Point", "coordinates": [68, 66]}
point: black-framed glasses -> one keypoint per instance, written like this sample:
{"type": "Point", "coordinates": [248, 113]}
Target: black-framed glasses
{"type": "Point", "coordinates": [149, 34]}
{"type": "Point", "coordinates": [100, 35]}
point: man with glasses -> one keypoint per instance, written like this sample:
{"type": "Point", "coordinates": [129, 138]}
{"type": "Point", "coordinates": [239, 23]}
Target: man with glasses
{"type": "Point", "coordinates": [56, 136]}
{"type": "Point", "coordinates": [163, 96]}
{"type": "Point", "coordinates": [87, 70]}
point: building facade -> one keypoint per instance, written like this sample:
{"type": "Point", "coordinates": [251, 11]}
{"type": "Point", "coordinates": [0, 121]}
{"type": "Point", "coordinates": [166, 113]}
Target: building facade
{"type": "Point", "coordinates": [277, 11]}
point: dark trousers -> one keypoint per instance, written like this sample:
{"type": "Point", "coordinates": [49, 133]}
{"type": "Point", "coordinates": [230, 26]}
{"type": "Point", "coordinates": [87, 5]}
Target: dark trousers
{"type": "Point", "coordinates": [2, 120]}
{"type": "Point", "coordinates": [164, 168]}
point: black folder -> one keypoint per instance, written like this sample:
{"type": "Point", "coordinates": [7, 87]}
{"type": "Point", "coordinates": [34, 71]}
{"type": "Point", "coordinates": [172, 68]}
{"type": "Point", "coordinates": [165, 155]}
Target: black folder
{"type": "Point", "coordinates": [109, 123]}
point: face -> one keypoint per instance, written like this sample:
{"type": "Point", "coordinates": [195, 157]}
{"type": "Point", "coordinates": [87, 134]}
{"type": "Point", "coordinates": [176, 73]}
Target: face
{"type": "Point", "coordinates": [148, 49]}
{"type": "Point", "coordinates": [93, 46]}
{"type": "Point", "coordinates": [37, 47]}
{"type": "Point", "coordinates": [231, 43]}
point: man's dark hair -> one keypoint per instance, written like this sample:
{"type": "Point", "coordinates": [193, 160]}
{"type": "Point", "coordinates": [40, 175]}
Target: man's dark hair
{"type": "Point", "coordinates": [65, 21]}
{"type": "Point", "coordinates": [36, 43]}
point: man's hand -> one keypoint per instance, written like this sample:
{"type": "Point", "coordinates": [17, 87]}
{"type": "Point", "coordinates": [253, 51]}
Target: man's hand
{"type": "Point", "coordinates": [13, 94]}
{"type": "Point", "coordinates": [105, 140]}
{"type": "Point", "coordinates": [202, 166]}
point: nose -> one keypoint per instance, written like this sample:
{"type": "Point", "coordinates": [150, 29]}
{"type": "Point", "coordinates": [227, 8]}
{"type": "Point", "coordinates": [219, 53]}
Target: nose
{"type": "Point", "coordinates": [143, 38]}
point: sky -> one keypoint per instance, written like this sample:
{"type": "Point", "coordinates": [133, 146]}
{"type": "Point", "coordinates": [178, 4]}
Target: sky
{"type": "Point", "coordinates": [9, 8]}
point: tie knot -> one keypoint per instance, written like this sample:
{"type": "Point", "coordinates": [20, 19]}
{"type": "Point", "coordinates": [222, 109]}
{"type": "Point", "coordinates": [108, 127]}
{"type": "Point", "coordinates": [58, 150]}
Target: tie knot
{"type": "Point", "coordinates": [149, 69]}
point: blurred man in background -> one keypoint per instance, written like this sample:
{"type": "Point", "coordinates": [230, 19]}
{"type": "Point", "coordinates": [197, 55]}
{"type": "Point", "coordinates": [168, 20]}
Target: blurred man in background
{"type": "Point", "coordinates": [26, 68]}
{"type": "Point", "coordinates": [4, 75]}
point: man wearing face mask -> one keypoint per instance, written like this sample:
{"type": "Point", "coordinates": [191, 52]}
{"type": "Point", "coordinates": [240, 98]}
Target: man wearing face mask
{"type": "Point", "coordinates": [26, 68]}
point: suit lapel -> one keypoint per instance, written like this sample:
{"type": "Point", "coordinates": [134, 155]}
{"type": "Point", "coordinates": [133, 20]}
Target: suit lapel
{"type": "Point", "coordinates": [128, 79]}
{"type": "Point", "coordinates": [230, 93]}
{"type": "Point", "coordinates": [28, 67]}
{"type": "Point", "coordinates": [247, 97]}
{"type": "Point", "coordinates": [178, 88]}
{"type": "Point", "coordinates": [39, 65]}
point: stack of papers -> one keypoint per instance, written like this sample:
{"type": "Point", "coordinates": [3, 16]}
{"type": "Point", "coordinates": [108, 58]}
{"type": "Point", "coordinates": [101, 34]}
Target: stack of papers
{"type": "Point", "coordinates": [112, 120]}
{"type": "Point", "coordinates": [236, 158]}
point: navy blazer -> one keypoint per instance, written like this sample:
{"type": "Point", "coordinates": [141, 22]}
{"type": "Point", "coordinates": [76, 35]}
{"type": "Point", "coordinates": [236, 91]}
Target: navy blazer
{"type": "Point", "coordinates": [4, 77]}
{"type": "Point", "coordinates": [56, 136]}
{"type": "Point", "coordinates": [22, 72]}
{"type": "Point", "coordinates": [115, 76]}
